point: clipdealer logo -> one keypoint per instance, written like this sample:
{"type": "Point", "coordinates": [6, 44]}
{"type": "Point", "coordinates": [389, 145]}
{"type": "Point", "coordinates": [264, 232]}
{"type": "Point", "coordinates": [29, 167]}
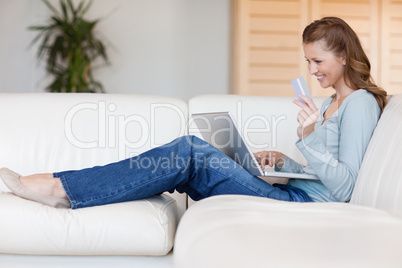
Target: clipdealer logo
{"type": "Point", "coordinates": [112, 127]}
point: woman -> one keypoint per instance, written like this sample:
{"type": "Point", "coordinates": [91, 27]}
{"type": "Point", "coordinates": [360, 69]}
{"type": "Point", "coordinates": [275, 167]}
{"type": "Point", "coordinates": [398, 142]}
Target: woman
{"type": "Point", "coordinates": [333, 141]}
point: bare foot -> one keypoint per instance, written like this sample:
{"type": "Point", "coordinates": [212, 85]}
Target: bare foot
{"type": "Point", "coordinates": [44, 184]}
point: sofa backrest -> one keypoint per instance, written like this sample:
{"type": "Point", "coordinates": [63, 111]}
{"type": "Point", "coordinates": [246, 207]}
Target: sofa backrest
{"type": "Point", "coordinates": [379, 183]}
{"type": "Point", "coordinates": [54, 132]}
{"type": "Point", "coordinates": [267, 123]}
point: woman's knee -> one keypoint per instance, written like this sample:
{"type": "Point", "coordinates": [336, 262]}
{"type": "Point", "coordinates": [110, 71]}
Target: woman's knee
{"type": "Point", "coordinates": [191, 142]}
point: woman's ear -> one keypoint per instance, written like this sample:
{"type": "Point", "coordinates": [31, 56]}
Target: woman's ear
{"type": "Point", "coordinates": [343, 57]}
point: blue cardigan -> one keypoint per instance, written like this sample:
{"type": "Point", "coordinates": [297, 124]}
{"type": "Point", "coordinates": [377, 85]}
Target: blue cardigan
{"type": "Point", "coordinates": [335, 149]}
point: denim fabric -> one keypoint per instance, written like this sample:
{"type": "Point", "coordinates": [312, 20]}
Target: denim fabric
{"type": "Point", "coordinates": [187, 164]}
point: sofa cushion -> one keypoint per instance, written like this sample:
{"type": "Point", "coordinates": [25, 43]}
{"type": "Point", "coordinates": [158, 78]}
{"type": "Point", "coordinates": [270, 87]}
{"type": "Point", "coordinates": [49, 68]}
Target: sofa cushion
{"type": "Point", "coordinates": [144, 227]}
{"type": "Point", "coordinates": [379, 183]}
{"type": "Point", "coordinates": [247, 231]}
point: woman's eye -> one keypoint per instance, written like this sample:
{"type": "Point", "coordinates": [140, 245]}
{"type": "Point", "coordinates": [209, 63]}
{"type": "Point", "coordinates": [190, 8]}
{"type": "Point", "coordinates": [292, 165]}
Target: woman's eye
{"type": "Point", "coordinates": [318, 61]}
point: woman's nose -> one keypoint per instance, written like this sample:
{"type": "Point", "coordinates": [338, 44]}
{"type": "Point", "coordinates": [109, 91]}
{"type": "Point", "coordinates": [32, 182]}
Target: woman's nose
{"type": "Point", "coordinates": [312, 68]}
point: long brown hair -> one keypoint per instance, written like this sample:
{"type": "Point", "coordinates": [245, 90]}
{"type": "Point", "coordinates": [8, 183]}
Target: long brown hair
{"type": "Point", "coordinates": [339, 38]}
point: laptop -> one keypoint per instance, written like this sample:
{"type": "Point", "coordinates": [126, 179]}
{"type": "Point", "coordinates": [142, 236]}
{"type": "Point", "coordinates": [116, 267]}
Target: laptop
{"type": "Point", "coordinates": [220, 130]}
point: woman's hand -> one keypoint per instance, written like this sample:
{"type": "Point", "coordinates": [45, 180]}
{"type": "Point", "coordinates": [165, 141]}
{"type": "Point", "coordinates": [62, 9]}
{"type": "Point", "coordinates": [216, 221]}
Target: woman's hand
{"type": "Point", "coordinates": [270, 158]}
{"type": "Point", "coordinates": [307, 117]}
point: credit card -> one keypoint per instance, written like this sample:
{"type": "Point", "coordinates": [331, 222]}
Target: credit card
{"type": "Point", "coordinates": [300, 87]}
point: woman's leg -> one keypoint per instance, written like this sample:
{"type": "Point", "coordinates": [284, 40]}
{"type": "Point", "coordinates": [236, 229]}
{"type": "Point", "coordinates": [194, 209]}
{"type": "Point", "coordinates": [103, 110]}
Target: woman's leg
{"type": "Point", "coordinates": [187, 164]}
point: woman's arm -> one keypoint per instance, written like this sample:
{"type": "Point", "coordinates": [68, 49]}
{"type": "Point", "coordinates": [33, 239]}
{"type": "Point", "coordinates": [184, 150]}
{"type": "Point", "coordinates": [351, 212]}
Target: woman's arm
{"type": "Point", "coordinates": [357, 122]}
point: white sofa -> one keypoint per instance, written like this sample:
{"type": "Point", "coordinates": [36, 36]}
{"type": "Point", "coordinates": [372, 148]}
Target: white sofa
{"type": "Point", "coordinates": [51, 132]}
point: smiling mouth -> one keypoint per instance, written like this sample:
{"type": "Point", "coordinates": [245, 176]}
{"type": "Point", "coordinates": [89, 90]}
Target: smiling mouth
{"type": "Point", "coordinates": [320, 77]}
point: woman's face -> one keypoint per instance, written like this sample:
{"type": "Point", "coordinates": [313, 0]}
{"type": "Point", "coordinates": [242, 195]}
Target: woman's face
{"type": "Point", "coordinates": [325, 65]}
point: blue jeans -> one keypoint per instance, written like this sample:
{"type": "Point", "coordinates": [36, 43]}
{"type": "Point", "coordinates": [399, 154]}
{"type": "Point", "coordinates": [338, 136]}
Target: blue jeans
{"type": "Point", "coordinates": [187, 164]}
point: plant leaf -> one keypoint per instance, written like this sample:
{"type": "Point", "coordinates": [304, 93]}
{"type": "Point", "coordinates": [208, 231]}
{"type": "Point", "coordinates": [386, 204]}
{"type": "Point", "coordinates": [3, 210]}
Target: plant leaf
{"type": "Point", "coordinates": [36, 39]}
{"type": "Point", "coordinates": [42, 48]}
{"type": "Point", "coordinates": [51, 7]}
{"type": "Point", "coordinates": [79, 8]}
{"type": "Point", "coordinates": [72, 9]}
{"type": "Point", "coordinates": [85, 9]}
{"type": "Point", "coordinates": [55, 51]}
{"type": "Point", "coordinates": [39, 28]}
{"type": "Point", "coordinates": [64, 9]}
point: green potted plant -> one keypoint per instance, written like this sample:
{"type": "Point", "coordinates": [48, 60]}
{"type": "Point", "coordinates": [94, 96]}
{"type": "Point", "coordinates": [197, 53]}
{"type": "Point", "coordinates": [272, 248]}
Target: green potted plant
{"type": "Point", "coordinates": [70, 46]}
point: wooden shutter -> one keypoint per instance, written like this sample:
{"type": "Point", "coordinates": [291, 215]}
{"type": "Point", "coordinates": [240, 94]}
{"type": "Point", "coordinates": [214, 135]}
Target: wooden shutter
{"type": "Point", "coordinates": [268, 45]}
{"type": "Point", "coordinates": [391, 50]}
